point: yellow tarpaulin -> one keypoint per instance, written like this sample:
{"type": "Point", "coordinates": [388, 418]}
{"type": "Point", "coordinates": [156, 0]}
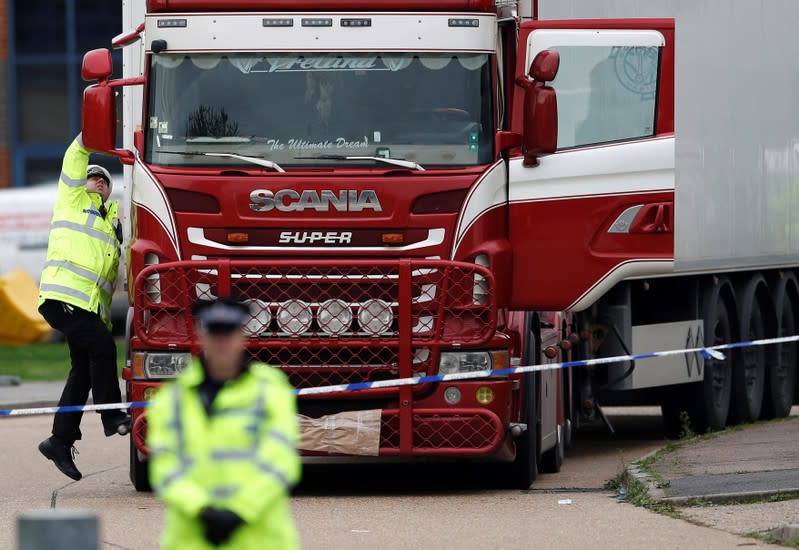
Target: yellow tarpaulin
{"type": "Point", "coordinates": [20, 322]}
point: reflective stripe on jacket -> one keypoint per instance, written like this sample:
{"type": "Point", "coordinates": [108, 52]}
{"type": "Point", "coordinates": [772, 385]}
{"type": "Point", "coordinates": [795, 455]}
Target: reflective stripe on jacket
{"type": "Point", "coordinates": [241, 457]}
{"type": "Point", "coordinates": [83, 251]}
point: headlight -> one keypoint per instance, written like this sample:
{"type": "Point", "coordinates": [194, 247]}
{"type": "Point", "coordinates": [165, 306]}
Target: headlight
{"type": "Point", "coordinates": [334, 317]}
{"type": "Point", "coordinates": [159, 365]}
{"type": "Point", "coordinates": [375, 317]}
{"type": "Point", "coordinates": [261, 317]}
{"type": "Point", "coordinates": [294, 317]}
{"type": "Point", "coordinates": [471, 361]}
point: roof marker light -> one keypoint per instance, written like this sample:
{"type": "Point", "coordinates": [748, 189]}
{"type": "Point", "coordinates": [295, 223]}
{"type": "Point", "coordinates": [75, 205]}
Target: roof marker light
{"type": "Point", "coordinates": [356, 22]}
{"type": "Point", "coordinates": [170, 23]}
{"type": "Point", "coordinates": [281, 22]}
{"type": "Point", "coordinates": [464, 22]}
{"type": "Point", "coordinates": [317, 22]}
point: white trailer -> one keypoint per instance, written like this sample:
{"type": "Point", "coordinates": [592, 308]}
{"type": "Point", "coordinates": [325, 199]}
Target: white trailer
{"type": "Point", "coordinates": [733, 273]}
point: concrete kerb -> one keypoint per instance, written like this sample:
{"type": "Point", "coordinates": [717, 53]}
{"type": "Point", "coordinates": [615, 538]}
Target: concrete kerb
{"type": "Point", "coordinates": [653, 486]}
{"type": "Point", "coordinates": [741, 497]}
{"type": "Point", "coordinates": [786, 532]}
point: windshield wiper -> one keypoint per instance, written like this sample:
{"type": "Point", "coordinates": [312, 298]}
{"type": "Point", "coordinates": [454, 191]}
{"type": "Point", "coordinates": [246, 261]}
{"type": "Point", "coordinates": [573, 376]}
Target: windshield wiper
{"type": "Point", "coordinates": [252, 160]}
{"type": "Point", "coordinates": [387, 160]}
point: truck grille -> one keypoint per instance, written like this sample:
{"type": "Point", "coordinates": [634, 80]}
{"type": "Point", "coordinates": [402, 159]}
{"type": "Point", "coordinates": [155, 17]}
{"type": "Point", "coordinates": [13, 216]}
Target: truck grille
{"type": "Point", "coordinates": [323, 321]}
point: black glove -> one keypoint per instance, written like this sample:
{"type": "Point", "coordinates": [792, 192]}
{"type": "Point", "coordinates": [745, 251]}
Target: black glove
{"type": "Point", "coordinates": [219, 524]}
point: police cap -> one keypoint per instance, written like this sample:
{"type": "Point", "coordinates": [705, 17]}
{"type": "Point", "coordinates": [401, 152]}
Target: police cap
{"type": "Point", "coordinates": [221, 316]}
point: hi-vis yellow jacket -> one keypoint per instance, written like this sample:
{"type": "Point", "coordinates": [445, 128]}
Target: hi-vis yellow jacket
{"type": "Point", "coordinates": [83, 251]}
{"type": "Point", "coordinates": [242, 457]}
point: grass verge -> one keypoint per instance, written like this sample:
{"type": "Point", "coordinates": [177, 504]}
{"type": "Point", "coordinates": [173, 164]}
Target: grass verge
{"type": "Point", "coordinates": [636, 492]}
{"type": "Point", "coordinates": [771, 539]}
{"type": "Point", "coordinates": [42, 362]}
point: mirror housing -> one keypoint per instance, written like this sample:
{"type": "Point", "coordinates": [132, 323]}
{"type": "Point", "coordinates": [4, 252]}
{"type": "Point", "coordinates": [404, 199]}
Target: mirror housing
{"type": "Point", "coordinates": [97, 65]}
{"type": "Point", "coordinates": [99, 119]}
{"type": "Point", "coordinates": [544, 67]}
{"type": "Point", "coordinates": [540, 110]}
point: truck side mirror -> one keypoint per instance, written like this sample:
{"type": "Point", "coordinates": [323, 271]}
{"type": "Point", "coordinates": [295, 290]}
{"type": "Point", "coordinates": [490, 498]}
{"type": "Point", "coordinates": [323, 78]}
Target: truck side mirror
{"type": "Point", "coordinates": [99, 122]}
{"type": "Point", "coordinates": [97, 65]}
{"type": "Point", "coordinates": [540, 114]}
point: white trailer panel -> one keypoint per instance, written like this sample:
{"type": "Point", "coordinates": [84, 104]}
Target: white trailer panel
{"type": "Point", "coordinates": [737, 125]}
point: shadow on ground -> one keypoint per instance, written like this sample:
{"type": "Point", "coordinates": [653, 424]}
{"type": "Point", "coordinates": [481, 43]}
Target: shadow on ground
{"type": "Point", "coordinates": [591, 443]}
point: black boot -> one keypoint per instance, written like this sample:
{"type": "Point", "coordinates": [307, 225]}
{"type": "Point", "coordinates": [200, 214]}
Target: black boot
{"type": "Point", "coordinates": [62, 456]}
{"type": "Point", "coordinates": [119, 425]}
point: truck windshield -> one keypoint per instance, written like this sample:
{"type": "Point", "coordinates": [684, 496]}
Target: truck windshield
{"type": "Point", "coordinates": [430, 108]}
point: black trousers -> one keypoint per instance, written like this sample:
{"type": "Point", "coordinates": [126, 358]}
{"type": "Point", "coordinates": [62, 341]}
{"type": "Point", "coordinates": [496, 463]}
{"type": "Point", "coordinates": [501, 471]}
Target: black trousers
{"type": "Point", "coordinates": [94, 366]}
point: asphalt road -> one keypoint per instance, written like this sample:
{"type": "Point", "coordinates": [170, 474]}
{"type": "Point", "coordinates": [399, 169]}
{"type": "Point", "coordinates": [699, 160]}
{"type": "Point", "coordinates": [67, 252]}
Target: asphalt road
{"type": "Point", "coordinates": [377, 506]}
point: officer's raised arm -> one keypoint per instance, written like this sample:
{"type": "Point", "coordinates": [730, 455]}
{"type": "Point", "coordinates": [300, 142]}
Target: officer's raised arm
{"type": "Point", "coordinates": [72, 182]}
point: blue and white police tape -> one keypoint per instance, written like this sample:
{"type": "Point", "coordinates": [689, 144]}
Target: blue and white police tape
{"type": "Point", "coordinates": [712, 352]}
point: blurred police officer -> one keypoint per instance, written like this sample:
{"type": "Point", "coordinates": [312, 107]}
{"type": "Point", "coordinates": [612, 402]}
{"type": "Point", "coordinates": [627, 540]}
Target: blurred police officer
{"type": "Point", "coordinates": [75, 297]}
{"type": "Point", "coordinates": [223, 441]}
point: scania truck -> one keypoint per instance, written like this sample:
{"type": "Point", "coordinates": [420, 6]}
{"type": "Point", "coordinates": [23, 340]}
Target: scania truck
{"type": "Point", "coordinates": [407, 187]}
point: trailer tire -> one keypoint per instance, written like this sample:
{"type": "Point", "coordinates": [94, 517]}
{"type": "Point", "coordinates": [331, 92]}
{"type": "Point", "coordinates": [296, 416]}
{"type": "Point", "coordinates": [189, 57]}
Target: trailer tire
{"type": "Point", "coordinates": [139, 474]}
{"type": "Point", "coordinates": [781, 376]}
{"type": "Point", "coordinates": [716, 386]}
{"type": "Point", "coordinates": [749, 371]}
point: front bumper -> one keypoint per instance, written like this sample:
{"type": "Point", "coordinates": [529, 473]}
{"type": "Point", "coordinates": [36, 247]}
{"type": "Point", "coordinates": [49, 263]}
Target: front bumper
{"type": "Point", "coordinates": [422, 427]}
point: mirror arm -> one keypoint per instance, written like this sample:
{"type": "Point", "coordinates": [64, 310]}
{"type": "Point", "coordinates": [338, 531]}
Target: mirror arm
{"type": "Point", "coordinates": [125, 157]}
{"type": "Point", "coordinates": [505, 140]}
{"type": "Point", "coordinates": [119, 82]}
{"type": "Point", "coordinates": [524, 81]}
{"type": "Point", "coordinates": [127, 38]}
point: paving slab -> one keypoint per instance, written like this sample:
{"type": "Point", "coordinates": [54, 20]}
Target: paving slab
{"type": "Point", "coordinates": [759, 517]}
{"type": "Point", "coordinates": [760, 459]}
{"type": "Point", "coordinates": [750, 482]}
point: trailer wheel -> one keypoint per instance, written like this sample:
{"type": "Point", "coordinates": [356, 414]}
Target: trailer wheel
{"type": "Point", "coordinates": [781, 377]}
{"type": "Point", "coordinates": [749, 372]}
{"type": "Point", "coordinates": [717, 383]}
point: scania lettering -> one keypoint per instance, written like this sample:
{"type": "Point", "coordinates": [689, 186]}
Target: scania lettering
{"type": "Point", "coordinates": [289, 200]}
{"type": "Point", "coordinates": [310, 237]}
{"type": "Point", "coordinates": [411, 187]}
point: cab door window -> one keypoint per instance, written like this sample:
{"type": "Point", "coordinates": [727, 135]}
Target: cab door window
{"type": "Point", "coordinates": [605, 94]}
{"type": "Point", "coordinates": [607, 83]}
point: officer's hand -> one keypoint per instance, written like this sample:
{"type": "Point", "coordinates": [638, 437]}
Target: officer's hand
{"type": "Point", "coordinates": [219, 524]}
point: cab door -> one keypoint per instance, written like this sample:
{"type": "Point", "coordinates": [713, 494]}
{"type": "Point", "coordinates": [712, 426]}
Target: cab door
{"type": "Point", "coordinates": [601, 207]}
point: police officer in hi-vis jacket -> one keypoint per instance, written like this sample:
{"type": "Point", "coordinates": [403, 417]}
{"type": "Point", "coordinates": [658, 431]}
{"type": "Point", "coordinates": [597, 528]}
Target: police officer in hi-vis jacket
{"type": "Point", "coordinates": [223, 440]}
{"type": "Point", "coordinates": [75, 297]}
